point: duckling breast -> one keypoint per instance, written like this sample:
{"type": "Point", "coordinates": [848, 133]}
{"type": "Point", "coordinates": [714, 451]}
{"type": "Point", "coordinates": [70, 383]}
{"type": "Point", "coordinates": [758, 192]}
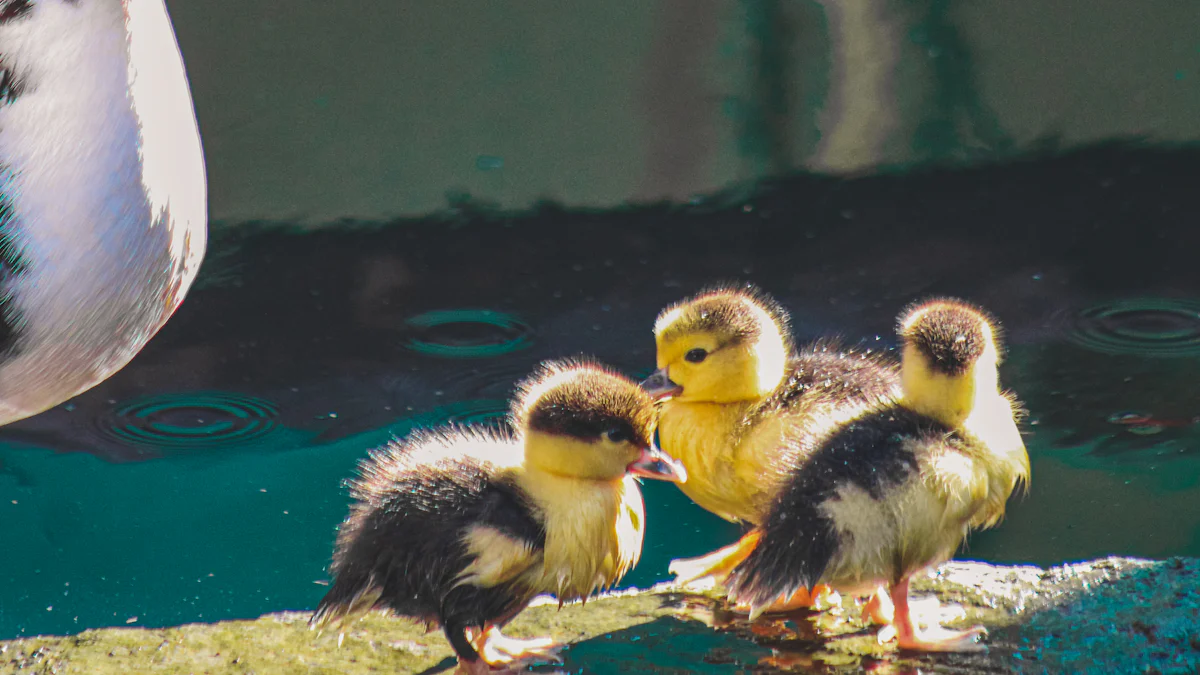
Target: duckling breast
{"type": "Point", "coordinates": [726, 463]}
{"type": "Point", "coordinates": [594, 532]}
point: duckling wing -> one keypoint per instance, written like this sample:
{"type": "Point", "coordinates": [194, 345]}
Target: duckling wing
{"type": "Point", "coordinates": [953, 472]}
{"type": "Point", "coordinates": [504, 543]}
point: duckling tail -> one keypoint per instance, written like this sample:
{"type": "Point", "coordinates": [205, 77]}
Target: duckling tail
{"type": "Point", "coordinates": [780, 564]}
{"type": "Point", "coordinates": [343, 603]}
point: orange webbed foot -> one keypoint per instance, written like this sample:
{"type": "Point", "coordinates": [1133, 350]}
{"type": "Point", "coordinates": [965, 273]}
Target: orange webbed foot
{"type": "Point", "coordinates": [714, 566]}
{"type": "Point", "coordinates": [821, 598]}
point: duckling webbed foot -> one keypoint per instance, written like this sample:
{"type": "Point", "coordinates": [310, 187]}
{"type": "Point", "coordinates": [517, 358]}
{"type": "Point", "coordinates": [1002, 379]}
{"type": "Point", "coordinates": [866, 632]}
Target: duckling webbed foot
{"type": "Point", "coordinates": [933, 638]}
{"type": "Point", "coordinates": [715, 565]}
{"type": "Point", "coordinates": [938, 639]}
{"type": "Point", "coordinates": [821, 598]}
{"type": "Point", "coordinates": [498, 649]}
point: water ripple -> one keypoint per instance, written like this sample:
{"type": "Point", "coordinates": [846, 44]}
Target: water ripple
{"type": "Point", "coordinates": [189, 421]}
{"type": "Point", "coordinates": [1155, 327]}
{"type": "Point", "coordinates": [483, 379]}
{"type": "Point", "coordinates": [467, 333]}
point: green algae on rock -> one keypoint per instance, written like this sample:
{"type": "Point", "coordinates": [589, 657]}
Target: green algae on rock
{"type": "Point", "coordinates": [1106, 616]}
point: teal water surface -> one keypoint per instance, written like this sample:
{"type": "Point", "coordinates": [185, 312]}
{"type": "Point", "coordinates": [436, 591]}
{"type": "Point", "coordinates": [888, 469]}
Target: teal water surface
{"type": "Point", "coordinates": [204, 537]}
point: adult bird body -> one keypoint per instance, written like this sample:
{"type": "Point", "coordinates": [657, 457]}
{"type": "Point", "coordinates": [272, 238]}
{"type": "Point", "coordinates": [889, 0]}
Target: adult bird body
{"type": "Point", "coordinates": [103, 214]}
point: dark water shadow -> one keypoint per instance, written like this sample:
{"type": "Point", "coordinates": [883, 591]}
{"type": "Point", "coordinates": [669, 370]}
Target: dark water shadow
{"type": "Point", "coordinates": [662, 646]}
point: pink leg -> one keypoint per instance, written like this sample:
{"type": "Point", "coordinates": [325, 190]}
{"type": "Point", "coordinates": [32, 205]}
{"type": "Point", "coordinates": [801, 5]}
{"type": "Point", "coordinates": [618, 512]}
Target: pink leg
{"type": "Point", "coordinates": [879, 608]}
{"type": "Point", "coordinates": [934, 638]}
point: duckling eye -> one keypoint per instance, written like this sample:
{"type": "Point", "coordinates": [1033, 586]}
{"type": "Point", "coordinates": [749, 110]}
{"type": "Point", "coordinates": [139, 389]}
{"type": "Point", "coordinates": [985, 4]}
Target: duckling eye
{"type": "Point", "coordinates": [695, 356]}
{"type": "Point", "coordinates": [618, 435]}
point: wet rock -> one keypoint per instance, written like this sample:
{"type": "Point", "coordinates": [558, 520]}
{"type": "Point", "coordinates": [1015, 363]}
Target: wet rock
{"type": "Point", "coordinates": [1108, 616]}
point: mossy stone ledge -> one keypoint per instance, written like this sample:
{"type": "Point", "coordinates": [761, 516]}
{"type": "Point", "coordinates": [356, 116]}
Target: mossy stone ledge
{"type": "Point", "coordinates": [1115, 615]}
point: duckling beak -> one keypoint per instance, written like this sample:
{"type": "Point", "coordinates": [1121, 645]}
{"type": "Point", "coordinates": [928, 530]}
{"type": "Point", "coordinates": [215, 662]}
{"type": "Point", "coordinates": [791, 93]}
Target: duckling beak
{"type": "Point", "coordinates": [659, 386]}
{"type": "Point", "coordinates": [655, 463]}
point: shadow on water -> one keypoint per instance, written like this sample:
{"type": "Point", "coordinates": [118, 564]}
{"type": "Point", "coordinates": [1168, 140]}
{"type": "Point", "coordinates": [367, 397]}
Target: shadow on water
{"type": "Point", "coordinates": [204, 481]}
{"type": "Point", "coordinates": [662, 646]}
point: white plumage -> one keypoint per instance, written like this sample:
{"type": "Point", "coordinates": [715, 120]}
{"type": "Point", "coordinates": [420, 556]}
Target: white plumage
{"type": "Point", "coordinates": [102, 172]}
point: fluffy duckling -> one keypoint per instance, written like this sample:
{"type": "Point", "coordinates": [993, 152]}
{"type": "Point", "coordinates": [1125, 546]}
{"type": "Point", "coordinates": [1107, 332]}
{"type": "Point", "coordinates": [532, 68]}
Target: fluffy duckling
{"type": "Point", "coordinates": [893, 491]}
{"type": "Point", "coordinates": [734, 394]}
{"type": "Point", "coordinates": [461, 528]}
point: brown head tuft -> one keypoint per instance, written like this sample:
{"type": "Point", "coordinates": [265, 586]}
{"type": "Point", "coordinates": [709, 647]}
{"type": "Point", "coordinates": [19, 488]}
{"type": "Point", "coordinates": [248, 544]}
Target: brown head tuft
{"type": "Point", "coordinates": [583, 399]}
{"type": "Point", "coordinates": [949, 333]}
{"type": "Point", "coordinates": [725, 309]}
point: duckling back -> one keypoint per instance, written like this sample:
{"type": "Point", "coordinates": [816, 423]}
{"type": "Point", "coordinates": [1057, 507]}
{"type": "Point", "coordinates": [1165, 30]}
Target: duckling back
{"type": "Point", "coordinates": [825, 377]}
{"type": "Point", "coordinates": [856, 511]}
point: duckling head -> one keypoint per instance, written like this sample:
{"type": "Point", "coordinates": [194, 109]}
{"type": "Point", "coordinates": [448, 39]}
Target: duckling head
{"type": "Point", "coordinates": [951, 352]}
{"type": "Point", "coordinates": [580, 419]}
{"type": "Point", "coordinates": [728, 343]}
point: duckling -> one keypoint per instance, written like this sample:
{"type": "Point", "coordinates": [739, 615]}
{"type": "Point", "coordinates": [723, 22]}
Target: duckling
{"type": "Point", "coordinates": [734, 394]}
{"type": "Point", "coordinates": [894, 490]}
{"type": "Point", "coordinates": [462, 527]}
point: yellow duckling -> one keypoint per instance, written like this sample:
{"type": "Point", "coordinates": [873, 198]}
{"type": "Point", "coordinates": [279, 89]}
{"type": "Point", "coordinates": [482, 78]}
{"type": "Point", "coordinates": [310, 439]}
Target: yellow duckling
{"type": "Point", "coordinates": [734, 397]}
{"type": "Point", "coordinates": [462, 528]}
{"type": "Point", "coordinates": [880, 497]}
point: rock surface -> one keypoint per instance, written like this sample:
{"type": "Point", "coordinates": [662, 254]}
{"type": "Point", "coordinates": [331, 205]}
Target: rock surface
{"type": "Point", "coordinates": [1108, 616]}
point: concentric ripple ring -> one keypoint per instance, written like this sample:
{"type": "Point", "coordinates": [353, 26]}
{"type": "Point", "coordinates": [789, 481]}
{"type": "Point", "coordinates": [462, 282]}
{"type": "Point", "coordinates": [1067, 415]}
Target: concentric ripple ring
{"type": "Point", "coordinates": [467, 333]}
{"type": "Point", "coordinates": [1155, 327]}
{"type": "Point", "coordinates": [190, 421]}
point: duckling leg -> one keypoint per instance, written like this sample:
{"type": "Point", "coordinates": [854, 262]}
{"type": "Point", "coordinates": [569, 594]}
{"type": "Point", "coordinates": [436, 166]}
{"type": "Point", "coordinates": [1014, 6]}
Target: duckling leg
{"type": "Point", "coordinates": [717, 564]}
{"type": "Point", "coordinates": [498, 649]}
{"type": "Point", "coordinates": [934, 638]}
